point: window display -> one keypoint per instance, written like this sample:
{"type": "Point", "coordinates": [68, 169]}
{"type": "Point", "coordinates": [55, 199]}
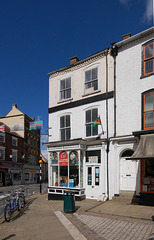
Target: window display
{"type": "Point", "coordinates": [148, 175]}
{"type": "Point", "coordinates": [65, 167]}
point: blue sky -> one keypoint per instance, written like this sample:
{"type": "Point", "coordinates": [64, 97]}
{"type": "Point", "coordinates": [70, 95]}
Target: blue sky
{"type": "Point", "coordinates": [39, 36]}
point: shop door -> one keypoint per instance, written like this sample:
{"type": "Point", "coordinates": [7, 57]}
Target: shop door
{"type": "Point", "coordinates": [92, 182]}
{"type": "Point", "coordinates": [128, 175]}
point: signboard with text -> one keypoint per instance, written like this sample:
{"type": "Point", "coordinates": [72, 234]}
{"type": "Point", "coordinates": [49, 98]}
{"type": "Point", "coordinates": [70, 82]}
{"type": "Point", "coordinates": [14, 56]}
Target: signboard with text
{"type": "Point", "coordinates": [63, 159]}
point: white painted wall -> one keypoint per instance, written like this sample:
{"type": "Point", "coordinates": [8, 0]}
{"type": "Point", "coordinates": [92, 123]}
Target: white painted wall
{"type": "Point", "coordinates": [130, 86]}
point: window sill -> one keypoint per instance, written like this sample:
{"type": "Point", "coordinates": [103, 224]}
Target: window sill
{"type": "Point", "coordinates": [145, 76]}
{"type": "Point", "coordinates": [65, 100]}
{"type": "Point", "coordinates": [97, 91]}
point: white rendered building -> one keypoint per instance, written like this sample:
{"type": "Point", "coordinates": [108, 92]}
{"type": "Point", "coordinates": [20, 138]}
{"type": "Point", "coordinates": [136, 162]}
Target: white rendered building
{"type": "Point", "coordinates": [134, 121]}
{"type": "Point", "coordinates": [78, 95]}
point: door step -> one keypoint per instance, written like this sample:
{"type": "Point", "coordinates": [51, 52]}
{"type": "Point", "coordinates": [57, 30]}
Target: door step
{"type": "Point", "coordinates": [126, 197]}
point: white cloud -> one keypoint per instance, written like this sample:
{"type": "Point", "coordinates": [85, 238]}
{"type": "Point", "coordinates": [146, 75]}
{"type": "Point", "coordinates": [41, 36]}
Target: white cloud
{"type": "Point", "coordinates": [149, 11]}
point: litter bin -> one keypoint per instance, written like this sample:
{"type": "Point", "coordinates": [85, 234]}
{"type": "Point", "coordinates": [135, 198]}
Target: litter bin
{"type": "Point", "coordinates": [69, 202]}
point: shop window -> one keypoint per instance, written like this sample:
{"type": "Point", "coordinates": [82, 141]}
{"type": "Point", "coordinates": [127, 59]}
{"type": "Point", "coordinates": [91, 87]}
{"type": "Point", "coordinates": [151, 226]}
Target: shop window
{"type": "Point", "coordinates": [63, 178]}
{"type": "Point", "coordinates": [54, 158]}
{"type": "Point", "coordinates": [147, 167]}
{"type": "Point", "coordinates": [2, 153]}
{"type": "Point", "coordinates": [55, 176]}
{"type": "Point", "coordinates": [65, 89]}
{"type": "Point", "coordinates": [65, 128]}
{"type": "Point", "coordinates": [148, 58]}
{"type": "Point", "coordinates": [73, 169]}
{"type": "Point", "coordinates": [14, 141]}
{"type": "Point", "coordinates": [26, 176]}
{"type": "Point", "coordinates": [91, 116]}
{"type": "Point", "coordinates": [93, 157]}
{"type": "Point", "coordinates": [148, 110]}
{"type": "Point", "coordinates": [2, 137]}
{"type": "Point", "coordinates": [91, 80]}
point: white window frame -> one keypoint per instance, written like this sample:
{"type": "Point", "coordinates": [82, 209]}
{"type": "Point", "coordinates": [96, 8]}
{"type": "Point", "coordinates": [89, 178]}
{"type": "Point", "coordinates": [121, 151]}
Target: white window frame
{"type": "Point", "coordinates": [14, 141]}
{"type": "Point", "coordinates": [64, 115]}
{"type": "Point", "coordinates": [91, 89]}
{"type": "Point", "coordinates": [2, 151]}
{"type": "Point", "coordinates": [2, 137]}
{"type": "Point", "coordinates": [85, 110]}
{"type": "Point", "coordinates": [14, 157]}
{"type": "Point", "coordinates": [66, 89]}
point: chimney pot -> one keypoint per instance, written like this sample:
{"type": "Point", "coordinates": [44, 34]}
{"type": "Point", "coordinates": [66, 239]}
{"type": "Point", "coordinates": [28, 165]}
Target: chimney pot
{"type": "Point", "coordinates": [128, 35]}
{"type": "Point", "coordinates": [14, 105]}
{"type": "Point", "coordinates": [73, 60]}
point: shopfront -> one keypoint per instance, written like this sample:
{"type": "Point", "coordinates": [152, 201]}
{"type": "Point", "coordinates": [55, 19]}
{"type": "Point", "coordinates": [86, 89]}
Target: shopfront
{"type": "Point", "coordinates": [76, 168]}
{"type": "Point", "coordinates": [10, 173]}
{"type": "Point", "coordinates": [145, 153]}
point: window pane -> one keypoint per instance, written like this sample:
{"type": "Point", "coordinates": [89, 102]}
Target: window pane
{"type": "Point", "coordinates": [68, 93]}
{"type": "Point", "coordinates": [62, 134]}
{"type": "Point", "coordinates": [94, 114]}
{"type": "Point", "coordinates": [148, 119]}
{"type": "Point", "coordinates": [63, 179]}
{"type": "Point", "coordinates": [68, 82]}
{"type": "Point", "coordinates": [95, 130]}
{"type": "Point", "coordinates": [89, 176]}
{"type": "Point", "coordinates": [149, 101]}
{"type": "Point", "coordinates": [149, 66]}
{"type": "Point", "coordinates": [94, 73]}
{"type": "Point", "coordinates": [67, 120]}
{"type": "Point", "coordinates": [97, 176]}
{"type": "Point", "coordinates": [88, 116]}
{"type": "Point", "coordinates": [87, 76]}
{"type": "Point", "coordinates": [62, 84]}
{"type": "Point", "coordinates": [88, 130]}
{"type": "Point", "coordinates": [95, 85]}
{"type": "Point", "coordinates": [68, 133]}
{"type": "Point", "coordinates": [149, 51]}
{"type": "Point", "coordinates": [87, 85]}
{"type": "Point", "coordinates": [62, 122]}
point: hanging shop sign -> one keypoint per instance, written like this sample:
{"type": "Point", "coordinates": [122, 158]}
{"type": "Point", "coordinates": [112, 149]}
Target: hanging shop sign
{"type": "Point", "coordinates": [93, 159]}
{"type": "Point", "coordinates": [63, 159]}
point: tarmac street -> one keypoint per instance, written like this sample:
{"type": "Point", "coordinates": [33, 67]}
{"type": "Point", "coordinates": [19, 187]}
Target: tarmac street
{"type": "Point", "coordinates": [92, 220]}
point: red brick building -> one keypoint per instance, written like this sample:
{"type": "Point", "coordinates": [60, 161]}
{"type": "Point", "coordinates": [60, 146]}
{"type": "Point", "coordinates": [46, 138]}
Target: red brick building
{"type": "Point", "coordinates": [19, 149]}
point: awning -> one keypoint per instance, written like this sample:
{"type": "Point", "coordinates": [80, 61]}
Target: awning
{"type": "Point", "coordinates": [145, 148]}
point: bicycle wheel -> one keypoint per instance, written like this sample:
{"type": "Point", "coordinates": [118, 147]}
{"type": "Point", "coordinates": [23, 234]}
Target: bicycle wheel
{"type": "Point", "coordinates": [19, 204]}
{"type": "Point", "coordinates": [22, 201]}
{"type": "Point", "coordinates": [7, 213]}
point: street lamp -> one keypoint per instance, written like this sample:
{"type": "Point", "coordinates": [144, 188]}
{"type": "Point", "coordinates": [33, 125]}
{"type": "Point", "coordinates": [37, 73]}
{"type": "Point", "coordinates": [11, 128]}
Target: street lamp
{"type": "Point", "coordinates": [40, 162]}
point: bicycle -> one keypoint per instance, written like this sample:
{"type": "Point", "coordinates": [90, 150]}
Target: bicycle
{"type": "Point", "coordinates": [22, 197]}
{"type": "Point", "coordinates": [12, 206]}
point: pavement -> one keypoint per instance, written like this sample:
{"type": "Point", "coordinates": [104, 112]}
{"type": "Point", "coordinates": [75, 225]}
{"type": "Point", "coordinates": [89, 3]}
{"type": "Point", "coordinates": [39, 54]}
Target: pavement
{"type": "Point", "coordinates": [42, 220]}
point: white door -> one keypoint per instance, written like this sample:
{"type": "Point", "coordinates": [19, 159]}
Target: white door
{"type": "Point", "coordinates": [128, 174]}
{"type": "Point", "coordinates": [92, 181]}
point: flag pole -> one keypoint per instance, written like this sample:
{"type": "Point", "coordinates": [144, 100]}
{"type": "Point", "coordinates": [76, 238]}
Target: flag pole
{"type": "Point", "coordinates": [101, 126]}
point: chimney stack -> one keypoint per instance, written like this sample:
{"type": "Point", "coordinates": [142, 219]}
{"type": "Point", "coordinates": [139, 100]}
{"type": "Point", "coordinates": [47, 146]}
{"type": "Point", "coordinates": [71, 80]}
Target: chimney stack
{"type": "Point", "coordinates": [128, 35]}
{"type": "Point", "coordinates": [14, 105]}
{"type": "Point", "coordinates": [73, 60]}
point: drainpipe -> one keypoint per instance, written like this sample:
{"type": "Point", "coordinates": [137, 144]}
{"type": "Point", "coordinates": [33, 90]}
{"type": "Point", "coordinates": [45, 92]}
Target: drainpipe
{"type": "Point", "coordinates": [107, 126]}
{"type": "Point", "coordinates": [114, 52]}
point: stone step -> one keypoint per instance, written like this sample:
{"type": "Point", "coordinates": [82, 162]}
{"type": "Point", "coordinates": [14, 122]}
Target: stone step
{"type": "Point", "coordinates": [126, 197]}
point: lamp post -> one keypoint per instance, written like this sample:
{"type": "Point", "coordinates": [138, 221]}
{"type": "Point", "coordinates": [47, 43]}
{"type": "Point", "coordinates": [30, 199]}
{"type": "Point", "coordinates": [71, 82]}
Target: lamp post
{"type": "Point", "coordinates": [40, 162]}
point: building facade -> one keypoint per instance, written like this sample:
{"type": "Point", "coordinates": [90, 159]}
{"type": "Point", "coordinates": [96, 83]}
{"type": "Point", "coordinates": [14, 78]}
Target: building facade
{"type": "Point", "coordinates": [134, 125]}
{"type": "Point", "coordinates": [20, 149]}
{"type": "Point", "coordinates": [78, 156]}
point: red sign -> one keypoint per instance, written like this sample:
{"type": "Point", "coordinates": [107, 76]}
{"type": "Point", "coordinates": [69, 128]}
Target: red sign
{"type": "Point", "coordinates": [63, 159]}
